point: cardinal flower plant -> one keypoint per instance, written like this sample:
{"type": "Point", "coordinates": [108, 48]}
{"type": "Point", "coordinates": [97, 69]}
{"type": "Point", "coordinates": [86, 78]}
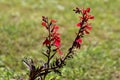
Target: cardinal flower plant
{"type": "Point", "coordinates": [52, 43]}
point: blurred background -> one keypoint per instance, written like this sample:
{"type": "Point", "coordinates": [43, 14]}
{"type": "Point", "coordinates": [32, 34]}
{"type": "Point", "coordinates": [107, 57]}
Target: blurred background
{"type": "Point", "coordinates": [21, 35]}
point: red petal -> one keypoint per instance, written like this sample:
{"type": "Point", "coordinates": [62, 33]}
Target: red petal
{"type": "Point", "coordinates": [84, 11]}
{"type": "Point", "coordinates": [59, 51]}
{"type": "Point", "coordinates": [55, 28]}
{"type": "Point", "coordinates": [86, 32]}
{"type": "Point", "coordinates": [79, 40]}
{"type": "Point", "coordinates": [91, 17]}
{"type": "Point", "coordinates": [57, 43]}
{"type": "Point", "coordinates": [89, 27]}
{"type": "Point", "coordinates": [78, 25]}
{"type": "Point", "coordinates": [46, 42]}
{"type": "Point", "coordinates": [88, 10]}
{"type": "Point", "coordinates": [43, 23]}
{"type": "Point", "coordinates": [53, 21]}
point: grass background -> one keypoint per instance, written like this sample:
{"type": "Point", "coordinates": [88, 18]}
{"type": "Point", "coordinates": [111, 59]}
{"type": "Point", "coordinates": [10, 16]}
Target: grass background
{"type": "Point", "coordinates": [21, 35]}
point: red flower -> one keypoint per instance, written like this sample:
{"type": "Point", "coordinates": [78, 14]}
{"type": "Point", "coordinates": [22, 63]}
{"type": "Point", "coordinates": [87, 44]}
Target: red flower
{"type": "Point", "coordinates": [55, 28]}
{"type": "Point", "coordinates": [56, 40]}
{"type": "Point", "coordinates": [78, 24]}
{"type": "Point", "coordinates": [84, 11]}
{"type": "Point", "coordinates": [78, 43]}
{"type": "Point", "coordinates": [88, 10]}
{"type": "Point", "coordinates": [53, 21]}
{"type": "Point", "coordinates": [46, 42]}
{"type": "Point", "coordinates": [44, 24]}
{"type": "Point", "coordinates": [91, 17]}
{"type": "Point", "coordinates": [59, 51]}
{"type": "Point", "coordinates": [79, 40]}
{"type": "Point", "coordinates": [86, 32]}
{"type": "Point", "coordinates": [57, 43]}
{"type": "Point", "coordinates": [89, 27]}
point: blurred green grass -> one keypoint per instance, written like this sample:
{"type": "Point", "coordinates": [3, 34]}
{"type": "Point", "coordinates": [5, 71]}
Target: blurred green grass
{"type": "Point", "coordinates": [21, 35]}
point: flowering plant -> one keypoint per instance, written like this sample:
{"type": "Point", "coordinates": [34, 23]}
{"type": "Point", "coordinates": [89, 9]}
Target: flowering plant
{"type": "Point", "coordinates": [53, 43]}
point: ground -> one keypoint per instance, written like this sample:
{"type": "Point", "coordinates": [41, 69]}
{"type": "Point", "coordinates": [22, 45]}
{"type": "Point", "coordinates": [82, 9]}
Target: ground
{"type": "Point", "coordinates": [21, 35]}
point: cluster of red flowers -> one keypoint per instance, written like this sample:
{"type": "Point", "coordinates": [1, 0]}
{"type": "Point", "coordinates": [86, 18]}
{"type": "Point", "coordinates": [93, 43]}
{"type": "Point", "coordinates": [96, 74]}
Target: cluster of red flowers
{"type": "Point", "coordinates": [83, 24]}
{"type": "Point", "coordinates": [53, 42]}
{"type": "Point", "coordinates": [54, 37]}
